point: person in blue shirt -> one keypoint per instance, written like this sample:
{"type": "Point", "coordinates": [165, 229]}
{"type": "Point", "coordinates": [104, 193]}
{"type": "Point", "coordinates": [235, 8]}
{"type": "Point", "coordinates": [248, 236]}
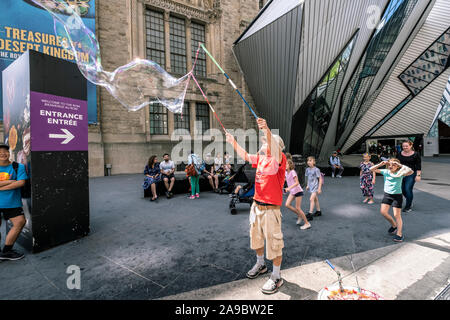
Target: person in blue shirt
{"type": "Point", "coordinates": [11, 202]}
{"type": "Point", "coordinates": [335, 163]}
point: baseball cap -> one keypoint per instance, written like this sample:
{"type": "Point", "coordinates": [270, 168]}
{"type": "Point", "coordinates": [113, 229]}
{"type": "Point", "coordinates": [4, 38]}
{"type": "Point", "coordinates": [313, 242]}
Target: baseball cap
{"type": "Point", "coordinates": [4, 146]}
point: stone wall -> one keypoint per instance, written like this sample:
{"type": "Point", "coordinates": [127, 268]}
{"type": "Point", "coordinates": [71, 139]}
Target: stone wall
{"type": "Point", "coordinates": [124, 137]}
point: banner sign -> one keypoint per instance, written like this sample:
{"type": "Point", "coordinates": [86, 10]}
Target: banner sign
{"type": "Point", "coordinates": [24, 26]}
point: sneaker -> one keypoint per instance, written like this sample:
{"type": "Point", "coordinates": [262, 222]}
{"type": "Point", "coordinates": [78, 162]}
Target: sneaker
{"type": "Point", "coordinates": [398, 238]}
{"type": "Point", "coordinates": [392, 230]}
{"type": "Point", "coordinates": [317, 213]}
{"type": "Point", "coordinates": [171, 194]}
{"type": "Point", "coordinates": [256, 271]}
{"type": "Point", "coordinates": [11, 255]}
{"type": "Point", "coordinates": [272, 285]}
{"type": "Point", "coordinates": [309, 216]}
{"type": "Point", "coordinates": [299, 221]}
{"type": "Point", "coordinates": [192, 197]}
{"type": "Point", "coordinates": [305, 226]}
{"type": "Point", "coordinates": [197, 196]}
{"type": "Point", "coordinates": [407, 209]}
{"type": "Point", "coordinates": [167, 194]}
{"type": "Point", "coordinates": [332, 175]}
{"type": "Point", "coordinates": [339, 176]}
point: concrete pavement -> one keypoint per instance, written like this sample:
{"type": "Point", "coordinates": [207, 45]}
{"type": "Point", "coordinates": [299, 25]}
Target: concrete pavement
{"type": "Point", "coordinates": [190, 249]}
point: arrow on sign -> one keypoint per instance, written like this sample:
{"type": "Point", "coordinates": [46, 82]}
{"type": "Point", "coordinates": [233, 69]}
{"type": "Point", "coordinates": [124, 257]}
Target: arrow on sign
{"type": "Point", "coordinates": [67, 135]}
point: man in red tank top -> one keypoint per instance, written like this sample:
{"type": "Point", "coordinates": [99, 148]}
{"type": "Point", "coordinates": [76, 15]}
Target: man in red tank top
{"type": "Point", "coordinates": [265, 213]}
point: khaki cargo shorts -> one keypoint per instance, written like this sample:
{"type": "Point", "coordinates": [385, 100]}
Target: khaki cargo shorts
{"type": "Point", "coordinates": [267, 227]}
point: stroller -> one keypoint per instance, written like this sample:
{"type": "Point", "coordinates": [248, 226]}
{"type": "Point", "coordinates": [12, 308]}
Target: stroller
{"type": "Point", "coordinates": [228, 184]}
{"type": "Point", "coordinates": [245, 195]}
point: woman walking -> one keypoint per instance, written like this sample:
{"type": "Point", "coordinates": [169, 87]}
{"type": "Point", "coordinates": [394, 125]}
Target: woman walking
{"type": "Point", "coordinates": [411, 159]}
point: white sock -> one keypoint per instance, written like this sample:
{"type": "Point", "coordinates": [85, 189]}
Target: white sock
{"type": "Point", "coordinates": [276, 271]}
{"type": "Point", "coordinates": [260, 260]}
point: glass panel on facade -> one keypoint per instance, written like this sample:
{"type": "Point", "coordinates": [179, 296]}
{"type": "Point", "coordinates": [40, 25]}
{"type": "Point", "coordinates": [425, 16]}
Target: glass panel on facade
{"type": "Point", "coordinates": [197, 37]}
{"type": "Point", "coordinates": [353, 100]}
{"type": "Point", "coordinates": [202, 116]}
{"type": "Point", "coordinates": [154, 25]}
{"type": "Point", "coordinates": [428, 66]}
{"type": "Point", "coordinates": [319, 106]}
{"type": "Point", "coordinates": [183, 121]}
{"type": "Point", "coordinates": [444, 113]}
{"type": "Point", "coordinates": [158, 119]}
{"type": "Point", "coordinates": [177, 45]}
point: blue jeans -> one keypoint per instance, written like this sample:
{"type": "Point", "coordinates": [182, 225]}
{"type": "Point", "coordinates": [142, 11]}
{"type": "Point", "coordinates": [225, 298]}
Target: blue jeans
{"type": "Point", "coordinates": [407, 188]}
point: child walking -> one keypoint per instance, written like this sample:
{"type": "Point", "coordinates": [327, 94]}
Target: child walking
{"type": "Point", "coordinates": [295, 192]}
{"type": "Point", "coordinates": [393, 177]}
{"type": "Point", "coordinates": [367, 179]}
{"type": "Point", "coordinates": [314, 185]}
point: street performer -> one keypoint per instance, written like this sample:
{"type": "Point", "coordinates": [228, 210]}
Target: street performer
{"type": "Point", "coordinates": [265, 214]}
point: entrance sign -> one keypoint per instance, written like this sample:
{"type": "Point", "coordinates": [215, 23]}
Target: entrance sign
{"type": "Point", "coordinates": [59, 123]}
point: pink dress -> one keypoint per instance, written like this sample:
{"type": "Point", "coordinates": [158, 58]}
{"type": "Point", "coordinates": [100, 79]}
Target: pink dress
{"type": "Point", "coordinates": [290, 181]}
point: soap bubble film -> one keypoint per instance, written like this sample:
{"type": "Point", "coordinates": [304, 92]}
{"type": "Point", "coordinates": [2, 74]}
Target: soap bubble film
{"type": "Point", "coordinates": [135, 85]}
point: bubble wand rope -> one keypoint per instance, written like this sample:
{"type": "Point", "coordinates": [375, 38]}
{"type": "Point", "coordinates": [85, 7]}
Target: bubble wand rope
{"type": "Point", "coordinates": [191, 73]}
{"type": "Point", "coordinates": [209, 104]}
{"type": "Point", "coordinates": [229, 80]}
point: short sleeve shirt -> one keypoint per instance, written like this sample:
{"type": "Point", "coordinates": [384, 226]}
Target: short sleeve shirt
{"type": "Point", "coordinates": [12, 198]}
{"type": "Point", "coordinates": [290, 181]}
{"type": "Point", "coordinates": [313, 175]}
{"type": "Point", "coordinates": [392, 185]}
{"type": "Point", "coordinates": [269, 179]}
{"type": "Point", "coordinates": [166, 166]}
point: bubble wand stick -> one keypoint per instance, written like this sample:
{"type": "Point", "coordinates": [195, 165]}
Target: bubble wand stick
{"type": "Point", "coordinates": [229, 80]}
{"type": "Point", "coordinates": [341, 288]}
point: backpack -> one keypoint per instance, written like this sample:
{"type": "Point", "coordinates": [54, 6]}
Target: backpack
{"type": "Point", "coordinates": [26, 189]}
{"type": "Point", "coordinates": [190, 169]}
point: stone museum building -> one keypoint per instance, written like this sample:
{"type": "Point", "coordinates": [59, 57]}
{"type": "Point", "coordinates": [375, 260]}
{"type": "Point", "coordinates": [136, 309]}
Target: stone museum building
{"type": "Point", "coordinates": [167, 32]}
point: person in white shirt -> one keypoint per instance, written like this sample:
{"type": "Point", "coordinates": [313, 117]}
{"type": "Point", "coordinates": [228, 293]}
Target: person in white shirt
{"type": "Point", "coordinates": [167, 173]}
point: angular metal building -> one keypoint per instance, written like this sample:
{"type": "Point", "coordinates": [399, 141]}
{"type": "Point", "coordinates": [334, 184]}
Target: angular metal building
{"type": "Point", "coordinates": [332, 74]}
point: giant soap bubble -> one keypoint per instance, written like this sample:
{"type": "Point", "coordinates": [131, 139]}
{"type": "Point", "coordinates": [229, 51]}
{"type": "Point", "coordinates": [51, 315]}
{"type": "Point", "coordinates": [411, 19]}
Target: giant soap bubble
{"type": "Point", "coordinates": [135, 85]}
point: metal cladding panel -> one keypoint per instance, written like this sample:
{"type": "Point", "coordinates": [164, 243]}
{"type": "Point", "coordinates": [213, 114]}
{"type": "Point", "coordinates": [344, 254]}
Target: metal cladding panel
{"type": "Point", "coordinates": [273, 10]}
{"type": "Point", "coordinates": [269, 60]}
{"type": "Point", "coordinates": [418, 115]}
{"type": "Point", "coordinates": [394, 91]}
{"type": "Point", "coordinates": [328, 25]}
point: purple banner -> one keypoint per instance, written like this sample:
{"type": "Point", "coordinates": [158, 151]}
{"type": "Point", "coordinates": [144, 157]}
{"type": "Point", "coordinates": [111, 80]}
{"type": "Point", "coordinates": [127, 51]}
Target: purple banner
{"type": "Point", "coordinates": [58, 123]}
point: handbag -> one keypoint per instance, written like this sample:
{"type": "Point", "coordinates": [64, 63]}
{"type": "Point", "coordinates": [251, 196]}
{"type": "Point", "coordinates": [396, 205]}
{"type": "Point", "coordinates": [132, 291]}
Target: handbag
{"type": "Point", "coordinates": [190, 169]}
